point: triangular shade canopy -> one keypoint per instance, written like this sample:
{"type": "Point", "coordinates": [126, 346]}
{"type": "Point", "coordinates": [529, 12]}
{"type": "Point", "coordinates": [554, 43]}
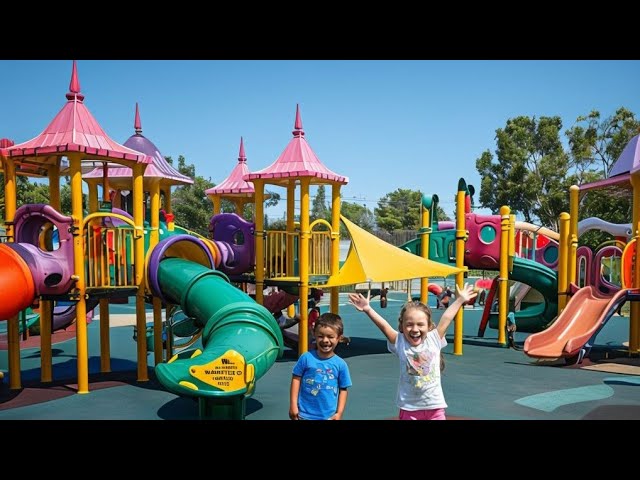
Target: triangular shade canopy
{"type": "Point", "coordinates": [371, 259]}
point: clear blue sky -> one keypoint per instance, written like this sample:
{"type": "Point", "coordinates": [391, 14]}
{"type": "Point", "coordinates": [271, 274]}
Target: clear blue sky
{"type": "Point", "coordinates": [386, 125]}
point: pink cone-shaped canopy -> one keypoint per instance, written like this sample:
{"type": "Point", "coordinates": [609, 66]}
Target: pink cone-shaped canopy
{"type": "Point", "coordinates": [158, 168]}
{"type": "Point", "coordinates": [297, 160]}
{"type": "Point", "coordinates": [74, 129]}
{"type": "Point", "coordinates": [234, 183]}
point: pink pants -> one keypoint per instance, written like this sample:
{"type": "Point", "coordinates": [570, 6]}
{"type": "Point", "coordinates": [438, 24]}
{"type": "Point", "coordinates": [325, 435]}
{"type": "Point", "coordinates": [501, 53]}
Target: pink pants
{"type": "Point", "coordinates": [436, 414]}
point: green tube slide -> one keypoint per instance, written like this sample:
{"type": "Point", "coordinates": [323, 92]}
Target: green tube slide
{"type": "Point", "coordinates": [534, 318]}
{"type": "Point", "coordinates": [241, 339]}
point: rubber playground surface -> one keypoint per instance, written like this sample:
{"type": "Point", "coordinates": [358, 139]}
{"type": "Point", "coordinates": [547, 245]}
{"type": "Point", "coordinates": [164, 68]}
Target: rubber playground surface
{"type": "Point", "coordinates": [486, 382]}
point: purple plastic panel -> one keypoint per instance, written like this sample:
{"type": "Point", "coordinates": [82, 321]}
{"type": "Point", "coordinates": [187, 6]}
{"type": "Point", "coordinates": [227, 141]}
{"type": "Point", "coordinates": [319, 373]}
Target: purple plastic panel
{"type": "Point", "coordinates": [602, 285]}
{"type": "Point", "coordinates": [446, 225]}
{"type": "Point", "coordinates": [234, 237]}
{"type": "Point", "coordinates": [158, 253]}
{"type": "Point", "coordinates": [51, 271]}
{"type": "Point", "coordinates": [116, 222]}
{"type": "Point", "coordinates": [584, 256]}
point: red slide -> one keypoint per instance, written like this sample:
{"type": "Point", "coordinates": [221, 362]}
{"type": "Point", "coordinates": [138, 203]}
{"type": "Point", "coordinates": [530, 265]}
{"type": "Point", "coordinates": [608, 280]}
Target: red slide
{"type": "Point", "coordinates": [585, 313]}
{"type": "Point", "coordinates": [16, 283]}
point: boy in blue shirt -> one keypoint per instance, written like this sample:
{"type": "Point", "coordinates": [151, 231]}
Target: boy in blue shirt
{"type": "Point", "coordinates": [320, 377]}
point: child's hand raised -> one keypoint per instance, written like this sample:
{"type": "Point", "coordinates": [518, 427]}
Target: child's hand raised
{"type": "Point", "coordinates": [359, 301]}
{"type": "Point", "coordinates": [467, 292]}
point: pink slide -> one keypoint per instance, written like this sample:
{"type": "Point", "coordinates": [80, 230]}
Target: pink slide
{"type": "Point", "coordinates": [583, 316]}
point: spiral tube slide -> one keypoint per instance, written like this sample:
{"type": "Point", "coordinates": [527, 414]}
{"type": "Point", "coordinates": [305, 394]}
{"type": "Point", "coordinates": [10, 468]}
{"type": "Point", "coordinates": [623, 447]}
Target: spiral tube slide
{"type": "Point", "coordinates": [241, 339]}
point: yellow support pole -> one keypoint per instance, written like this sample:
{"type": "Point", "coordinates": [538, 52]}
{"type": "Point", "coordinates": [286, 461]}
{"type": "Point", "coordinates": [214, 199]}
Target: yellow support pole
{"type": "Point", "coordinates": [290, 240]}
{"type": "Point", "coordinates": [461, 235]}
{"type": "Point", "coordinates": [138, 251]}
{"type": "Point", "coordinates": [82, 344]}
{"type": "Point", "coordinates": [154, 239]}
{"type": "Point", "coordinates": [216, 202]}
{"type": "Point", "coordinates": [574, 200]}
{"type": "Point", "coordinates": [563, 263]}
{"type": "Point", "coordinates": [93, 197]}
{"type": "Point", "coordinates": [335, 244]}
{"type": "Point", "coordinates": [634, 316]}
{"type": "Point", "coordinates": [53, 173]}
{"type": "Point", "coordinates": [425, 230]}
{"type": "Point", "coordinates": [258, 185]}
{"type": "Point", "coordinates": [305, 234]}
{"type": "Point", "coordinates": [13, 330]}
{"type": "Point", "coordinates": [503, 297]}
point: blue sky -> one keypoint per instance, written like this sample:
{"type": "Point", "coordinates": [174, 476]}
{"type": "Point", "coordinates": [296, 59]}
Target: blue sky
{"type": "Point", "coordinates": [385, 124]}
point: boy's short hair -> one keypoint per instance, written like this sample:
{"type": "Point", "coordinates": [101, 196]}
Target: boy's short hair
{"type": "Point", "coordinates": [331, 320]}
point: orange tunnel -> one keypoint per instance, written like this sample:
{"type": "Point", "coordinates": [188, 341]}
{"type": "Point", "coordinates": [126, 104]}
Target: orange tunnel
{"type": "Point", "coordinates": [17, 289]}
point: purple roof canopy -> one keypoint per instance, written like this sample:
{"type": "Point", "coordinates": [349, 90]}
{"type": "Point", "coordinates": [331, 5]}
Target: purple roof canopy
{"type": "Point", "coordinates": [158, 168]}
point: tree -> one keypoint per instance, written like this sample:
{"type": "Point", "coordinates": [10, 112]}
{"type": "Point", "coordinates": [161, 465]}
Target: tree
{"type": "Point", "coordinates": [530, 172]}
{"type": "Point", "coordinates": [594, 146]}
{"type": "Point", "coordinates": [319, 206]}
{"type": "Point", "coordinates": [190, 204]}
{"type": "Point", "coordinates": [399, 210]}
{"type": "Point", "coordinates": [358, 214]}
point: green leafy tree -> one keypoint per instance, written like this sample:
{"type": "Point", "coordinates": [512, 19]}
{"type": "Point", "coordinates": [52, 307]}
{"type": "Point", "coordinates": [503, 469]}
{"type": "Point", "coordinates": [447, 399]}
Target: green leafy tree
{"type": "Point", "coordinates": [190, 204]}
{"type": "Point", "coordinates": [358, 214]}
{"type": "Point", "coordinates": [530, 171]}
{"type": "Point", "coordinates": [319, 208]}
{"type": "Point", "coordinates": [594, 146]}
{"type": "Point", "coordinates": [399, 210]}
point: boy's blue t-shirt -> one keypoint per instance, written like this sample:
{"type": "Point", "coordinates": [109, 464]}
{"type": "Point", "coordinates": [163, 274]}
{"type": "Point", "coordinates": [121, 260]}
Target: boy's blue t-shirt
{"type": "Point", "coordinates": [320, 384]}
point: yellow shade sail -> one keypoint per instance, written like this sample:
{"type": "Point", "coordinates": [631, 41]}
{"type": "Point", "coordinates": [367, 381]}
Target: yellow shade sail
{"type": "Point", "coordinates": [371, 259]}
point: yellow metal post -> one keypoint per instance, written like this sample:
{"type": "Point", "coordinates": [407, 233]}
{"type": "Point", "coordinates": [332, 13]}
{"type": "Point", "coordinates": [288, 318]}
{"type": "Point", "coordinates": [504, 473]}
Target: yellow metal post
{"type": "Point", "coordinates": [461, 235]}
{"type": "Point", "coordinates": [504, 274]}
{"type": "Point", "coordinates": [425, 230]}
{"type": "Point", "coordinates": [258, 185]}
{"type": "Point", "coordinates": [563, 284]}
{"type": "Point", "coordinates": [154, 239]}
{"type": "Point", "coordinates": [13, 330]}
{"type": "Point", "coordinates": [335, 243]}
{"type": "Point", "coordinates": [305, 234]}
{"type": "Point", "coordinates": [574, 200]}
{"type": "Point", "coordinates": [82, 345]}
{"type": "Point", "coordinates": [290, 240]}
{"type": "Point", "coordinates": [138, 250]}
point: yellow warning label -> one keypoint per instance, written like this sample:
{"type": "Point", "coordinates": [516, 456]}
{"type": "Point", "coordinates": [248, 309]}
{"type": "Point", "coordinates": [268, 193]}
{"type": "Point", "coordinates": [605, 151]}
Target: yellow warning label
{"type": "Point", "coordinates": [226, 372]}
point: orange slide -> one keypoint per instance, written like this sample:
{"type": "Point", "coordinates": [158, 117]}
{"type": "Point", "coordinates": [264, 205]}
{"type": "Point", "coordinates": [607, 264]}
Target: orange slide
{"type": "Point", "coordinates": [17, 289]}
{"type": "Point", "coordinates": [585, 313]}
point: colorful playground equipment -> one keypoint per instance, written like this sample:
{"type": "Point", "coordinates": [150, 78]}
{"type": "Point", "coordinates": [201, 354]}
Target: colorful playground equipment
{"type": "Point", "coordinates": [595, 295]}
{"type": "Point", "coordinates": [112, 252]}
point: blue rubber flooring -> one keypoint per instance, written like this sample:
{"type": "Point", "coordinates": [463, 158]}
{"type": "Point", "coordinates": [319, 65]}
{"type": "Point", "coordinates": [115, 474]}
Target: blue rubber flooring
{"type": "Point", "coordinates": [486, 382]}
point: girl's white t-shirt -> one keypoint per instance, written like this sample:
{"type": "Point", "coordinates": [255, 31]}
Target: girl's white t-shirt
{"type": "Point", "coordinates": [419, 386]}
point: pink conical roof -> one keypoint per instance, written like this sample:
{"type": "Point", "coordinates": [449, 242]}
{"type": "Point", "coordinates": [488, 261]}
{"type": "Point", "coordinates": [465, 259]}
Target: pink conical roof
{"type": "Point", "coordinates": [159, 167]}
{"type": "Point", "coordinates": [234, 183]}
{"type": "Point", "coordinates": [297, 160]}
{"type": "Point", "coordinates": [74, 129]}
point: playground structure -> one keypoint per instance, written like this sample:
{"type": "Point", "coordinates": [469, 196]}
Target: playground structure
{"type": "Point", "coordinates": [538, 259]}
{"type": "Point", "coordinates": [112, 253]}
